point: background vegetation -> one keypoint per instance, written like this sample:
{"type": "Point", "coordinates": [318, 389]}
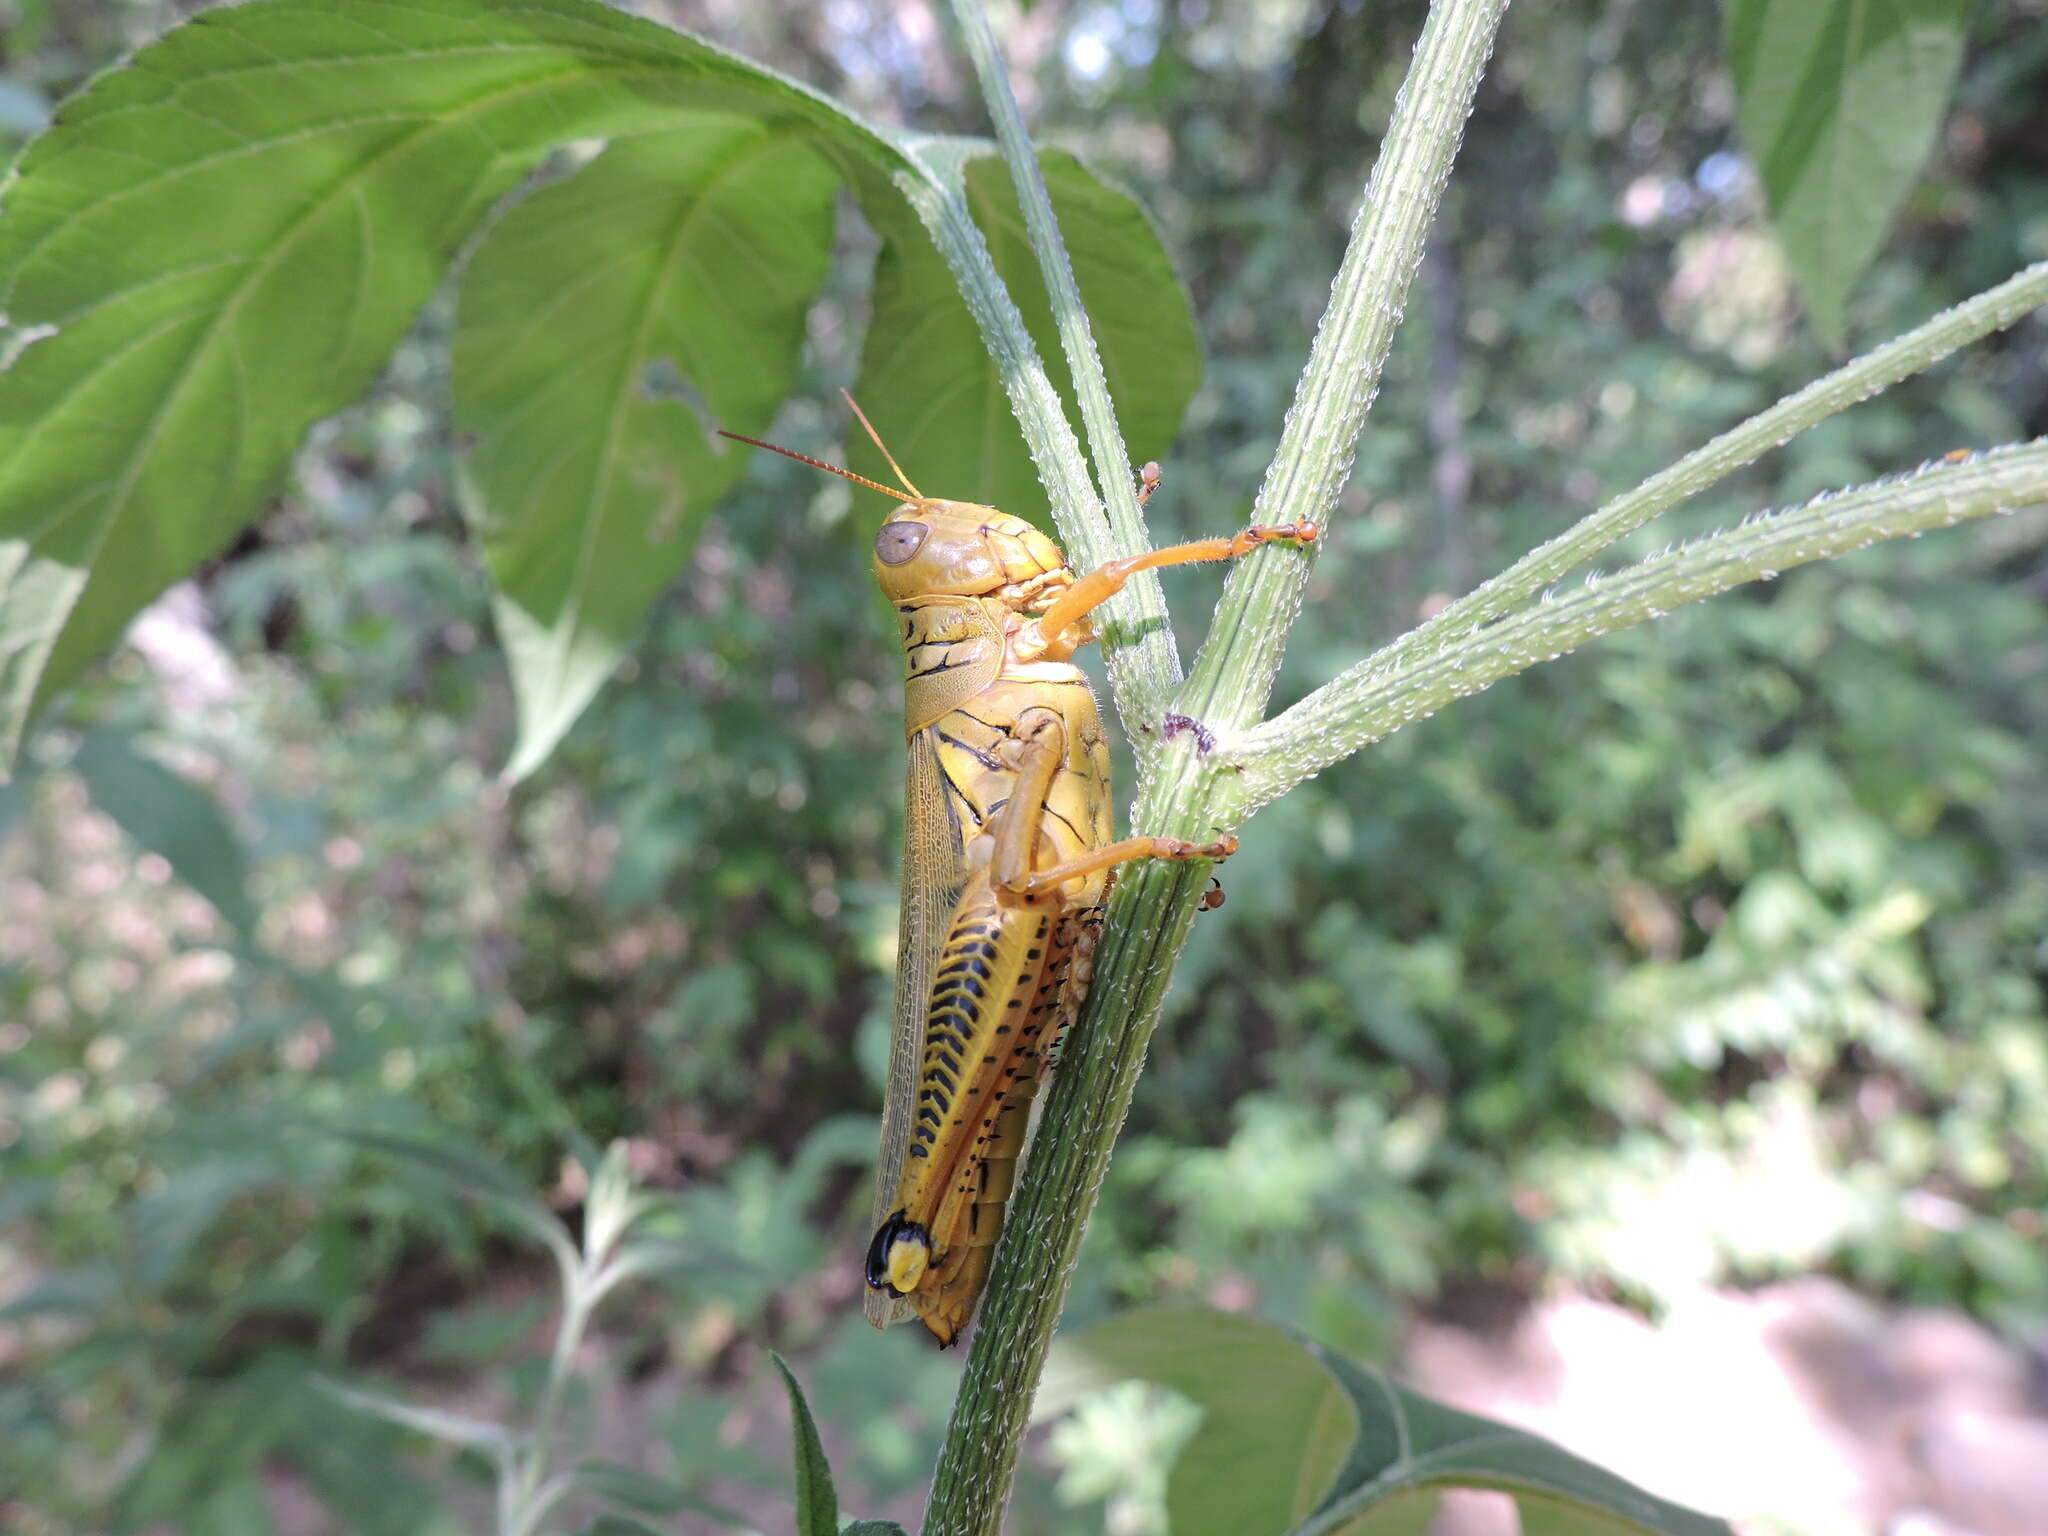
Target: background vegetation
{"type": "Point", "coordinates": [1711, 955]}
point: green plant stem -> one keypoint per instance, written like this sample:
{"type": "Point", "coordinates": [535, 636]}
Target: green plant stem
{"type": "Point", "coordinates": [1233, 675]}
{"type": "Point", "coordinates": [938, 196]}
{"type": "Point", "coordinates": [1156, 667]}
{"type": "Point", "coordinates": [576, 1308]}
{"type": "Point", "coordinates": [1191, 792]}
{"type": "Point", "coordinates": [1374, 699]}
{"type": "Point", "coordinates": [1140, 660]}
{"type": "Point", "coordinates": [1902, 357]}
{"type": "Point", "coordinates": [1150, 913]}
{"type": "Point", "coordinates": [1187, 795]}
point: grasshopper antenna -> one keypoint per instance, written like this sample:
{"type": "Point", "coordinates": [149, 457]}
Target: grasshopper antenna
{"type": "Point", "coordinates": [876, 437]}
{"type": "Point", "coordinates": [830, 469]}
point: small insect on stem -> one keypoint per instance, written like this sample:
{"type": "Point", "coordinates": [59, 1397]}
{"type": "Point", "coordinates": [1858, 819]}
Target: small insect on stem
{"type": "Point", "coordinates": [1176, 725]}
{"type": "Point", "coordinates": [1009, 848]}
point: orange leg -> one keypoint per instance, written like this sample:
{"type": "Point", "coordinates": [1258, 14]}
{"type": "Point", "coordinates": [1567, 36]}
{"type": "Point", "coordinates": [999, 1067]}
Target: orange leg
{"type": "Point", "coordinates": [1036, 750]}
{"type": "Point", "coordinates": [1122, 852]}
{"type": "Point", "coordinates": [1091, 591]}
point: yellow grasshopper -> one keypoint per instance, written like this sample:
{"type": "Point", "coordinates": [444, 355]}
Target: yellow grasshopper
{"type": "Point", "coordinates": [1007, 857]}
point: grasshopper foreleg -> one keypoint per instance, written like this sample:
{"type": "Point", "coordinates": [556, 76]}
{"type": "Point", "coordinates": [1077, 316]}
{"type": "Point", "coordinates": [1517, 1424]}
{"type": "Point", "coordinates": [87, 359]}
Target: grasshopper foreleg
{"type": "Point", "coordinates": [1091, 591]}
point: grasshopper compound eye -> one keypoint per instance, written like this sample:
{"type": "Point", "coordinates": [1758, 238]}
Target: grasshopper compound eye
{"type": "Point", "coordinates": [900, 541]}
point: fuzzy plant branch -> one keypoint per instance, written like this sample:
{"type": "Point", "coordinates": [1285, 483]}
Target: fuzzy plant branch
{"type": "Point", "coordinates": [1916, 351]}
{"type": "Point", "coordinates": [1148, 925]}
{"type": "Point", "coordinates": [1193, 790]}
{"type": "Point", "coordinates": [1136, 645]}
{"type": "Point", "coordinates": [1376, 698]}
{"type": "Point", "coordinates": [1136, 619]}
{"type": "Point", "coordinates": [1153, 905]}
{"type": "Point", "coordinates": [1233, 675]}
{"type": "Point", "coordinates": [938, 197]}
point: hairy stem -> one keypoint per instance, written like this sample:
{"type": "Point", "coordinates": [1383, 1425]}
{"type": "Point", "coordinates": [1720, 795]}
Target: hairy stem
{"type": "Point", "coordinates": [1136, 619]}
{"type": "Point", "coordinates": [1139, 656]}
{"type": "Point", "coordinates": [1915, 352]}
{"type": "Point", "coordinates": [1188, 795]}
{"type": "Point", "coordinates": [1376, 698]}
{"type": "Point", "coordinates": [527, 1504]}
{"type": "Point", "coordinates": [1233, 675]}
{"type": "Point", "coordinates": [1042, 1231]}
{"type": "Point", "coordinates": [1194, 790]}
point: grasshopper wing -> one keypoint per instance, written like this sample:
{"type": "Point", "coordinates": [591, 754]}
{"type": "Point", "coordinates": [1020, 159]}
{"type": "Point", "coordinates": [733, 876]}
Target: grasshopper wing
{"type": "Point", "coordinates": [933, 854]}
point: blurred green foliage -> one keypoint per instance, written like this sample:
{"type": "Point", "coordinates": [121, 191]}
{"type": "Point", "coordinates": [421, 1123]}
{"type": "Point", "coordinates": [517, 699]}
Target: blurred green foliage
{"type": "Point", "coordinates": [1712, 954]}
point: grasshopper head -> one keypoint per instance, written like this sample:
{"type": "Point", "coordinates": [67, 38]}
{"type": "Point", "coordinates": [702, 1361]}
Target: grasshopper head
{"type": "Point", "coordinates": [932, 548]}
{"type": "Point", "coordinates": [935, 548]}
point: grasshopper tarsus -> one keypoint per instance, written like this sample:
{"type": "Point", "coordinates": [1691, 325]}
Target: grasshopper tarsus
{"type": "Point", "coordinates": [1300, 531]}
{"type": "Point", "coordinates": [1179, 848]}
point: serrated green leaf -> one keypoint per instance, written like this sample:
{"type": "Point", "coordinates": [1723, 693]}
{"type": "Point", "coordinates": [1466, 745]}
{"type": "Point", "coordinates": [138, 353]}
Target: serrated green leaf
{"type": "Point", "coordinates": [1838, 101]}
{"type": "Point", "coordinates": [170, 817]}
{"type": "Point", "coordinates": [608, 325]}
{"type": "Point", "coordinates": [219, 243]}
{"type": "Point", "coordinates": [961, 441]}
{"type": "Point", "coordinates": [1141, 317]}
{"type": "Point", "coordinates": [817, 1505]}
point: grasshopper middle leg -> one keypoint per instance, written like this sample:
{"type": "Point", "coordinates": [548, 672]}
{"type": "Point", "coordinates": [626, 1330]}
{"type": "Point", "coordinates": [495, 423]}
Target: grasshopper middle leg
{"type": "Point", "coordinates": [1037, 748]}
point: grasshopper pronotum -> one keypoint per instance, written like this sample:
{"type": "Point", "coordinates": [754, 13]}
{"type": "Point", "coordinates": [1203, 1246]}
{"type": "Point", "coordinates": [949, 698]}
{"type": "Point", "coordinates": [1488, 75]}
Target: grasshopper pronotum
{"type": "Point", "coordinates": [1008, 850]}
